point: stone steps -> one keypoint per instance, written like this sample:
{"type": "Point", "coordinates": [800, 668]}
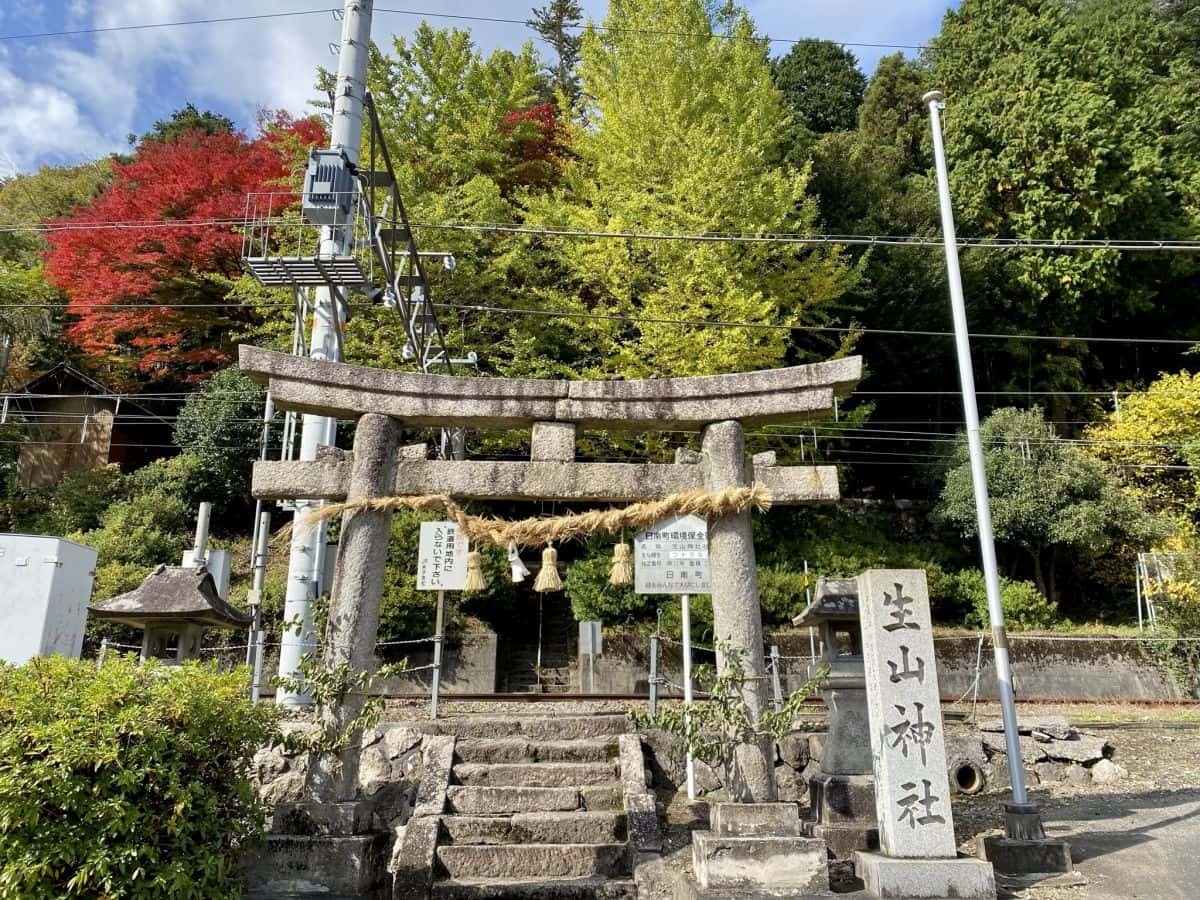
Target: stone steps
{"type": "Point", "coordinates": [517, 750]}
{"type": "Point", "coordinates": [535, 809]}
{"type": "Point", "coordinates": [535, 828]}
{"type": "Point", "coordinates": [537, 728]}
{"type": "Point", "coordinates": [470, 800]}
{"type": "Point", "coordinates": [553, 889]}
{"type": "Point", "coordinates": [536, 774]}
{"type": "Point", "coordinates": [516, 861]}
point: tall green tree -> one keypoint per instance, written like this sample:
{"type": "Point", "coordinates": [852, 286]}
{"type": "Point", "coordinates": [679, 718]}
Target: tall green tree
{"type": "Point", "coordinates": [1048, 498]}
{"type": "Point", "coordinates": [1064, 120]}
{"type": "Point", "coordinates": [822, 84]}
{"type": "Point", "coordinates": [665, 157]}
{"type": "Point", "coordinates": [557, 23]}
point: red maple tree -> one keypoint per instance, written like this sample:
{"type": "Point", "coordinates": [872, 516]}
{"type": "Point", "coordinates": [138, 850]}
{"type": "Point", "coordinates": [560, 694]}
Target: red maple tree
{"type": "Point", "coordinates": [540, 143]}
{"type": "Point", "coordinates": [137, 264]}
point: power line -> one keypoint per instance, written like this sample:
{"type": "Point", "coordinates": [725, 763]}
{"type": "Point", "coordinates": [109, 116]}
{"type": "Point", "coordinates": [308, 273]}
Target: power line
{"type": "Point", "coordinates": [857, 240]}
{"type": "Point", "coordinates": [106, 29]}
{"type": "Point", "coordinates": [496, 20]}
{"type": "Point", "coordinates": [775, 326]}
{"type": "Point", "coordinates": [728, 237]}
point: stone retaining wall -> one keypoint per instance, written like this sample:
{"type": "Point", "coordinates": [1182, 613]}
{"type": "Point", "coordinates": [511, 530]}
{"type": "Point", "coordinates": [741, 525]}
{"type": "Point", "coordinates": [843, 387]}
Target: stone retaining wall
{"type": "Point", "coordinates": [1043, 667]}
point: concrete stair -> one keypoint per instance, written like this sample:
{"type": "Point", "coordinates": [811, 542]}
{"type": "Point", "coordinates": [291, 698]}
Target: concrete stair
{"type": "Point", "coordinates": [534, 810]}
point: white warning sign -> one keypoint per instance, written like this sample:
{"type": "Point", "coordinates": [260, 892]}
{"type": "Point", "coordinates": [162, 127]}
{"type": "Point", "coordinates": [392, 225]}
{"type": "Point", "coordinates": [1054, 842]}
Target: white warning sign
{"type": "Point", "coordinates": [671, 557]}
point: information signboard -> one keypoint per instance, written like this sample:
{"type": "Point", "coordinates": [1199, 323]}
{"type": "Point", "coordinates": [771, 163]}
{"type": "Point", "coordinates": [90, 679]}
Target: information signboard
{"type": "Point", "coordinates": [441, 557]}
{"type": "Point", "coordinates": [671, 557]}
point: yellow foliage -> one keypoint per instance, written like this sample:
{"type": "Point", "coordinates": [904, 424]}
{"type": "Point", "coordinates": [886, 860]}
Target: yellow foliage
{"type": "Point", "coordinates": [1151, 431]}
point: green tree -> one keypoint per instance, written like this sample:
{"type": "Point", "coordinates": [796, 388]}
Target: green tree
{"type": "Point", "coordinates": [221, 426]}
{"type": "Point", "coordinates": [1065, 120]}
{"type": "Point", "coordinates": [822, 84]}
{"type": "Point", "coordinates": [186, 120]}
{"type": "Point", "coordinates": [665, 157]}
{"type": "Point", "coordinates": [1047, 496]}
{"type": "Point", "coordinates": [556, 23]}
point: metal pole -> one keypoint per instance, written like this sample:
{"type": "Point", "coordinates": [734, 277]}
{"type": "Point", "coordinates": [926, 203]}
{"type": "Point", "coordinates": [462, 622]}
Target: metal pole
{"type": "Point", "coordinates": [1137, 582]}
{"type": "Point", "coordinates": [438, 637]}
{"type": "Point", "coordinates": [653, 674]}
{"type": "Point", "coordinates": [687, 685]}
{"type": "Point", "coordinates": [103, 652]}
{"type": "Point", "coordinates": [308, 544]}
{"type": "Point", "coordinates": [776, 687]}
{"type": "Point", "coordinates": [254, 651]}
{"type": "Point", "coordinates": [987, 545]}
{"type": "Point", "coordinates": [200, 548]}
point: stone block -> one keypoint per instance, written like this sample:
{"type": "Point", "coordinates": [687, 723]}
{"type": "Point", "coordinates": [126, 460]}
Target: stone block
{"type": "Point", "coordinates": [312, 817]}
{"type": "Point", "coordinates": [553, 441]}
{"type": "Point", "coordinates": [633, 764]}
{"type": "Point", "coordinates": [600, 796]}
{"type": "Point", "coordinates": [846, 749]}
{"type": "Point", "coordinates": [549, 774]}
{"type": "Point", "coordinates": [1013, 857]}
{"type": "Point", "coordinates": [708, 779]}
{"type": "Point", "coordinates": [844, 840]}
{"type": "Point", "coordinates": [496, 801]}
{"type": "Point", "coordinates": [437, 758]}
{"type": "Point", "coordinates": [413, 859]}
{"type": "Point", "coordinates": [498, 861]}
{"type": "Point", "coordinates": [797, 864]}
{"type": "Point", "coordinates": [1056, 727]}
{"type": "Point", "coordinates": [642, 816]}
{"type": "Point", "coordinates": [912, 879]}
{"type": "Point", "coordinates": [843, 799]}
{"type": "Point", "coordinates": [1081, 749]}
{"type": "Point", "coordinates": [298, 866]}
{"type": "Point", "coordinates": [789, 786]}
{"type": "Point", "coordinates": [793, 749]}
{"type": "Point", "coordinates": [754, 819]}
{"type": "Point", "coordinates": [1106, 771]}
{"type": "Point", "coordinates": [536, 828]}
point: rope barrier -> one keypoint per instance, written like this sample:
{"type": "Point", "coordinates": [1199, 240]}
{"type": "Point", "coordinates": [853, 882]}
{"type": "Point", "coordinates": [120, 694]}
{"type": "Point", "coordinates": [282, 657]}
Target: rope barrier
{"type": "Point", "coordinates": [537, 532]}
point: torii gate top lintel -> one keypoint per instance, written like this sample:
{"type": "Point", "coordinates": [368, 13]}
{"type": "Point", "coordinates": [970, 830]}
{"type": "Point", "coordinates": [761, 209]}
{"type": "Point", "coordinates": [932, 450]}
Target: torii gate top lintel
{"type": "Point", "coordinates": [764, 397]}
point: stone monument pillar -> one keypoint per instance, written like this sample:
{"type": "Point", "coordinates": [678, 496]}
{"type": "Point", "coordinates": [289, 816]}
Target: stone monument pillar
{"type": "Point", "coordinates": [843, 792]}
{"type": "Point", "coordinates": [737, 617]}
{"type": "Point", "coordinates": [918, 856]}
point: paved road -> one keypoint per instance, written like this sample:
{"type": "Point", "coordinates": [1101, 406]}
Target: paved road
{"type": "Point", "coordinates": [1134, 845]}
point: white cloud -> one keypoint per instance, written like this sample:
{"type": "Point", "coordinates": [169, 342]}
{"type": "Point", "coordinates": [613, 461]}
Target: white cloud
{"type": "Point", "coordinates": [72, 99]}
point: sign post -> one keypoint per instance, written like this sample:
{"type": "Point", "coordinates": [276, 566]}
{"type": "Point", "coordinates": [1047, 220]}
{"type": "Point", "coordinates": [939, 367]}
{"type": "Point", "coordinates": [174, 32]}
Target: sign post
{"type": "Point", "coordinates": [671, 557]}
{"type": "Point", "coordinates": [441, 567]}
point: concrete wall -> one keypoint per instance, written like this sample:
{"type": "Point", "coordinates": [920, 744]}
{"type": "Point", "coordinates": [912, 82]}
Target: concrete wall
{"type": "Point", "coordinates": [468, 667]}
{"type": "Point", "coordinates": [1043, 667]}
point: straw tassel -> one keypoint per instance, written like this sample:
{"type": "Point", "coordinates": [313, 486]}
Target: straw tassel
{"type": "Point", "coordinates": [519, 571]}
{"type": "Point", "coordinates": [475, 580]}
{"type": "Point", "coordinates": [622, 566]}
{"type": "Point", "coordinates": [548, 579]}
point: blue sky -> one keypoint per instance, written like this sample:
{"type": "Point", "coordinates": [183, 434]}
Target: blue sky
{"type": "Point", "coordinates": [68, 99]}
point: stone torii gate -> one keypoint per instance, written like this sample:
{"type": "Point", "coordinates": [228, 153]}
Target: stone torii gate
{"type": "Point", "coordinates": [720, 407]}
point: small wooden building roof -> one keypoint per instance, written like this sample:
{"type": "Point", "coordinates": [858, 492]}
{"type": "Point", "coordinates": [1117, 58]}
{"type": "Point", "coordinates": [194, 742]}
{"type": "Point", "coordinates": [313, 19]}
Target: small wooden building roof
{"type": "Point", "coordinates": [173, 594]}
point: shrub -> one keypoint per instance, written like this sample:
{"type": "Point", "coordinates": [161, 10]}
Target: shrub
{"type": "Point", "coordinates": [1025, 607]}
{"type": "Point", "coordinates": [75, 503]}
{"type": "Point", "coordinates": [594, 599]}
{"type": "Point", "coordinates": [127, 782]}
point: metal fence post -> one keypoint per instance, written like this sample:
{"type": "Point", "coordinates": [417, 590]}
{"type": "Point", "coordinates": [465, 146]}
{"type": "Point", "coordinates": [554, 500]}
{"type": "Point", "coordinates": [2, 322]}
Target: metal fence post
{"type": "Point", "coordinates": [776, 688]}
{"type": "Point", "coordinates": [653, 674]}
{"type": "Point", "coordinates": [103, 652]}
{"type": "Point", "coordinates": [437, 654]}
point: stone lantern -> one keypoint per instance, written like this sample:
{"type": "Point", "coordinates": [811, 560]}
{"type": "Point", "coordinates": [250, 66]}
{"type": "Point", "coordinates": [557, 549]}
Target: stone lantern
{"type": "Point", "coordinates": [173, 602]}
{"type": "Point", "coordinates": [842, 793]}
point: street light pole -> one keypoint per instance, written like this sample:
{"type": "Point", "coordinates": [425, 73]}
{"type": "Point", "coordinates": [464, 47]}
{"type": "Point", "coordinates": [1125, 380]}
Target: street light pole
{"type": "Point", "coordinates": [1022, 818]}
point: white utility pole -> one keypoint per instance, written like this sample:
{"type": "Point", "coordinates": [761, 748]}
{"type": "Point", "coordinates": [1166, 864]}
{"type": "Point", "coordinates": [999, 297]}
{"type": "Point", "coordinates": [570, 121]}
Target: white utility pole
{"type": "Point", "coordinates": [307, 558]}
{"type": "Point", "coordinates": [1021, 816]}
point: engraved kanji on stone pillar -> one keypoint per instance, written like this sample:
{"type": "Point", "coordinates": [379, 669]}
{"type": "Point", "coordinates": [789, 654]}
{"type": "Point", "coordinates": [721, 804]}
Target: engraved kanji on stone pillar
{"type": "Point", "coordinates": [912, 789]}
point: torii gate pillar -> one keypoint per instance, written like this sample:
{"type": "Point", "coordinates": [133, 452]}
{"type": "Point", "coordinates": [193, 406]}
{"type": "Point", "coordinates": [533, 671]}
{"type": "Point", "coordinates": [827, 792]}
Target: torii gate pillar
{"type": "Point", "coordinates": [733, 584]}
